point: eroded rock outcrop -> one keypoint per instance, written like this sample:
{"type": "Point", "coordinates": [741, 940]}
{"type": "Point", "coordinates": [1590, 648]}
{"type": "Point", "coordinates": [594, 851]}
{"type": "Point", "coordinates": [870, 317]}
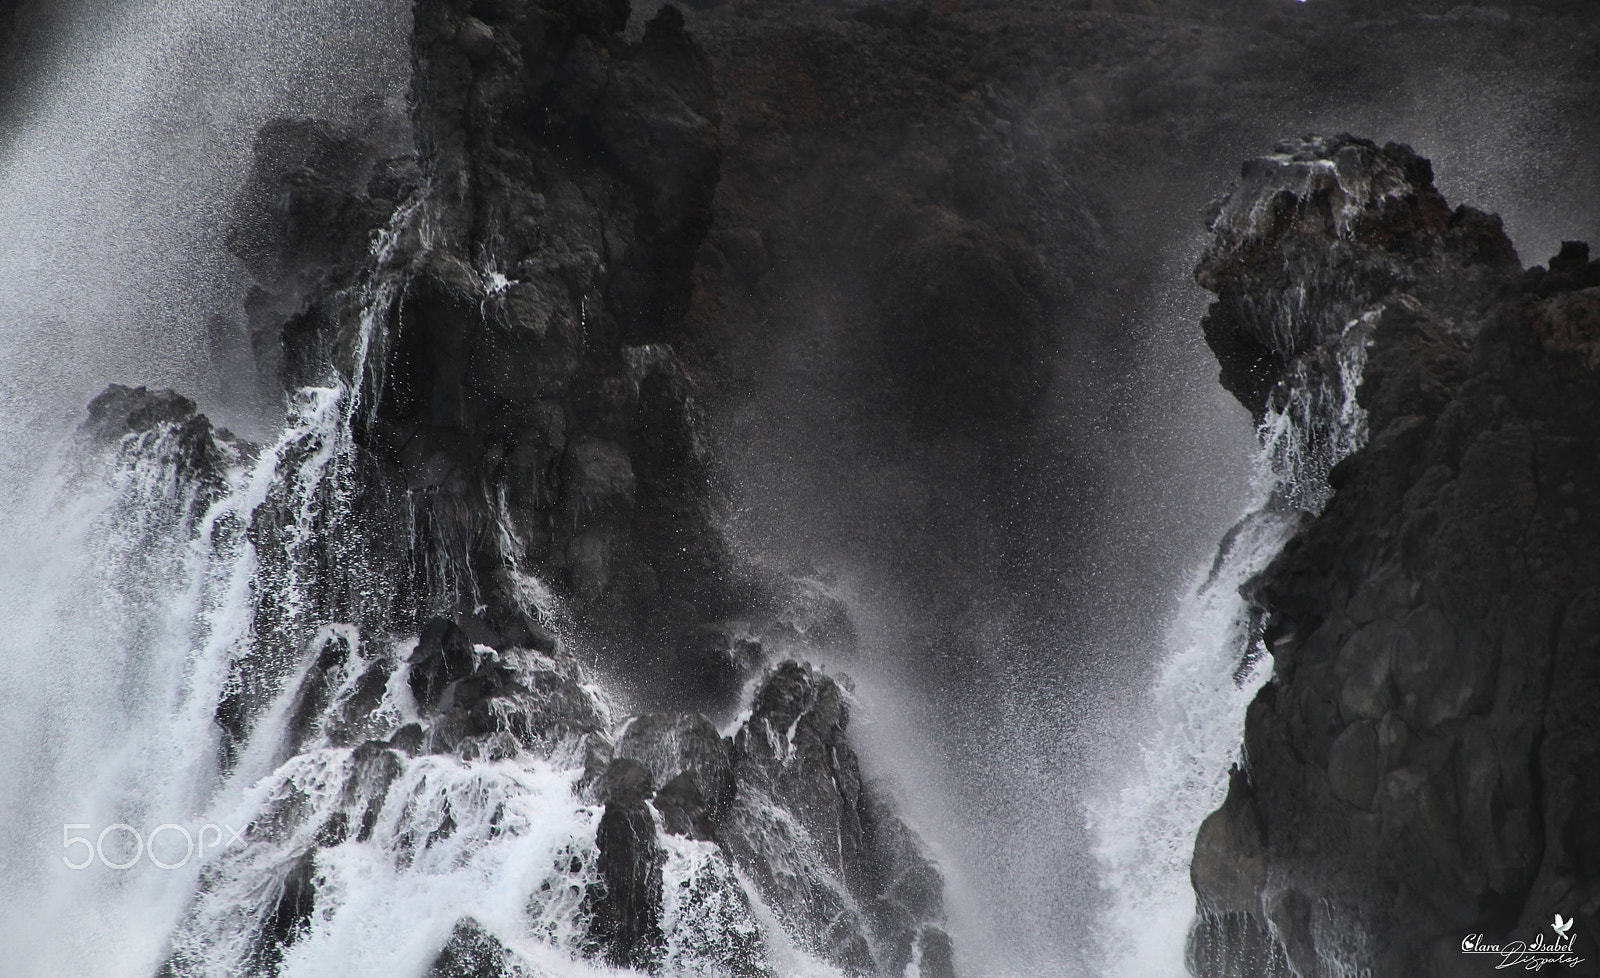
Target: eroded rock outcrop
{"type": "Point", "coordinates": [826, 849]}
{"type": "Point", "coordinates": [536, 218]}
{"type": "Point", "coordinates": [490, 483]}
{"type": "Point", "coordinates": [1419, 769]}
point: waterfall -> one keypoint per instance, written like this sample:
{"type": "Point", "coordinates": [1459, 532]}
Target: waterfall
{"type": "Point", "coordinates": [160, 527]}
{"type": "Point", "coordinates": [122, 574]}
{"type": "Point", "coordinates": [1188, 728]}
{"type": "Point", "coordinates": [116, 178]}
{"type": "Point", "coordinates": [146, 600]}
{"type": "Point", "coordinates": [226, 753]}
{"type": "Point", "coordinates": [232, 765]}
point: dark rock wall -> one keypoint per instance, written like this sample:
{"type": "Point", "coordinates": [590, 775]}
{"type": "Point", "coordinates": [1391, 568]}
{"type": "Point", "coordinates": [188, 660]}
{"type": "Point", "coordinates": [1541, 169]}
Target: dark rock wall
{"type": "Point", "coordinates": [937, 222]}
{"type": "Point", "coordinates": [785, 800]}
{"type": "Point", "coordinates": [523, 399]}
{"type": "Point", "coordinates": [1038, 473]}
{"type": "Point", "coordinates": [1420, 766]}
{"type": "Point", "coordinates": [794, 756]}
{"type": "Point", "coordinates": [524, 242]}
{"type": "Point", "coordinates": [926, 195]}
{"type": "Point", "coordinates": [581, 168]}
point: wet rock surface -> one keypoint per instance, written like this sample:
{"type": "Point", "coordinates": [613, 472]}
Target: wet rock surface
{"type": "Point", "coordinates": [827, 850]}
{"type": "Point", "coordinates": [986, 463]}
{"type": "Point", "coordinates": [625, 923]}
{"type": "Point", "coordinates": [492, 292]}
{"type": "Point", "coordinates": [545, 200]}
{"type": "Point", "coordinates": [1321, 231]}
{"type": "Point", "coordinates": [589, 228]}
{"type": "Point", "coordinates": [142, 438]}
{"type": "Point", "coordinates": [473, 952]}
{"type": "Point", "coordinates": [1416, 767]}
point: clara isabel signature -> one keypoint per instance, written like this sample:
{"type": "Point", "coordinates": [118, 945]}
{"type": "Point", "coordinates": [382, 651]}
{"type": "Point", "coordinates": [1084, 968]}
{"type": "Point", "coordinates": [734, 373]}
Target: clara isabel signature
{"type": "Point", "coordinates": [1530, 955]}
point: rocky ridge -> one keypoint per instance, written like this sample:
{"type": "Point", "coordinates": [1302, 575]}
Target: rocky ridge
{"type": "Point", "coordinates": [1416, 770]}
{"type": "Point", "coordinates": [1123, 80]}
{"type": "Point", "coordinates": [474, 313]}
{"type": "Point", "coordinates": [885, 163]}
{"type": "Point", "coordinates": [522, 393]}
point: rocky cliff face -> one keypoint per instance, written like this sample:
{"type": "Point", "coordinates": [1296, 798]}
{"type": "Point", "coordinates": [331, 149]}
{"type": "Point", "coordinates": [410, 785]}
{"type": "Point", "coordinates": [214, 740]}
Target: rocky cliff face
{"type": "Point", "coordinates": [1419, 767]}
{"type": "Point", "coordinates": [522, 395]}
{"type": "Point", "coordinates": [483, 312]}
{"type": "Point", "coordinates": [491, 484]}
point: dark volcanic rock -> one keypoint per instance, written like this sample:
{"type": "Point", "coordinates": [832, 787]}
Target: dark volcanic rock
{"type": "Point", "coordinates": [690, 760]}
{"type": "Point", "coordinates": [473, 952]}
{"type": "Point", "coordinates": [625, 907]}
{"type": "Point", "coordinates": [120, 410]}
{"type": "Point", "coordinates": [291, 911]}
{"type": "Point", "coordinates": [443, 655]}
{"type": "Point", "coordinates": [1420, 767]}
{"type": "Point", "coordinates": [188, 441]}
{"type": "Point", "coordinates": [625, 782]}
{"type": "Point", "coordinates": [490, 710]}
{"type": "Point", "coordinates": [305, 212]}
{"type": "Point", "coordinates": [803, 821]}
{"type": "Point", "coordinates": [526, 403]}
{"type": "Point", "coordinates": [683, 809]}
{"type": "Point", "coordinates": [719, 657]}
{"type": "Point", "coordinates": [1320, 232]}
{"type": "Point", "coordinates": [304, 221]}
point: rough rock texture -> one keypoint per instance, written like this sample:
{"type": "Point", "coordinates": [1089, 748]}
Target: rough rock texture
{"type": "Point", "coordinates": [783, 800]}
{"type": "Point", "coordinates": [550, 384]}
{"type": "Point", "coordinates": [689, 759]}
{"type": "Point", "coordinates": [1420, 768]}
{"type": "Point", "coordinates": [492, 294]}
{"type": "Point", "coordinates": [828, 852]}
{"type": "Point", "coordinates": [924, 188]}
{"type": "Point", "coordinates": [1317, 234]}
{"type": "Point", "coordinates": [523, 399]}
{"type": "Point", "coordinates": [167, 429]}
{"type": "Point", "coordinates": [1013, 472]}
{"type": "Point", "coordinates": [625, 927]}
{"type": "Point", "coordinates": [473, 952]}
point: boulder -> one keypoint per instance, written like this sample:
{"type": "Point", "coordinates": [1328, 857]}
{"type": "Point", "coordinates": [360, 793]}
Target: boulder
{"type": "Point", "coordinates": [443, 655]}
{"type": "Point", "coordinates": [809, 831]}
{"type": "Point", "coordinates": [624, 906]}
{"type": "Point", "coordinates": [473, 952]}
{"type": "Point", "coordinates": [683, 752]}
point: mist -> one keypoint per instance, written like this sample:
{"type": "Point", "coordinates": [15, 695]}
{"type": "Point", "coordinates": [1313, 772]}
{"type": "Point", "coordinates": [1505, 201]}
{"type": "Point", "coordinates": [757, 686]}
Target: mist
{"type": "Point", "coordinates": [1017, 569]}
{"type": "Point", "coordinates": [944, 337]}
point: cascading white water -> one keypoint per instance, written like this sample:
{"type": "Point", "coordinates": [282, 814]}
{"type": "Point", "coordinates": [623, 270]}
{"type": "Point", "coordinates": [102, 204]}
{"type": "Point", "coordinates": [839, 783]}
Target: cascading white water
{"type": "Point", "coordinates": [125, 618]}
{"type": "Point", "coordinates": [115, 184]}
{"type": "Point", "coordinates": [1190, 724]}
{"type": "Point", "coordinates": [136, 598]}
{"type": "Point", "coordinates": [506, 841]}
{"type": "Point", "coordinates": [1188, 738]}
{"type": "Point", "coordinates": [144, 603]}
